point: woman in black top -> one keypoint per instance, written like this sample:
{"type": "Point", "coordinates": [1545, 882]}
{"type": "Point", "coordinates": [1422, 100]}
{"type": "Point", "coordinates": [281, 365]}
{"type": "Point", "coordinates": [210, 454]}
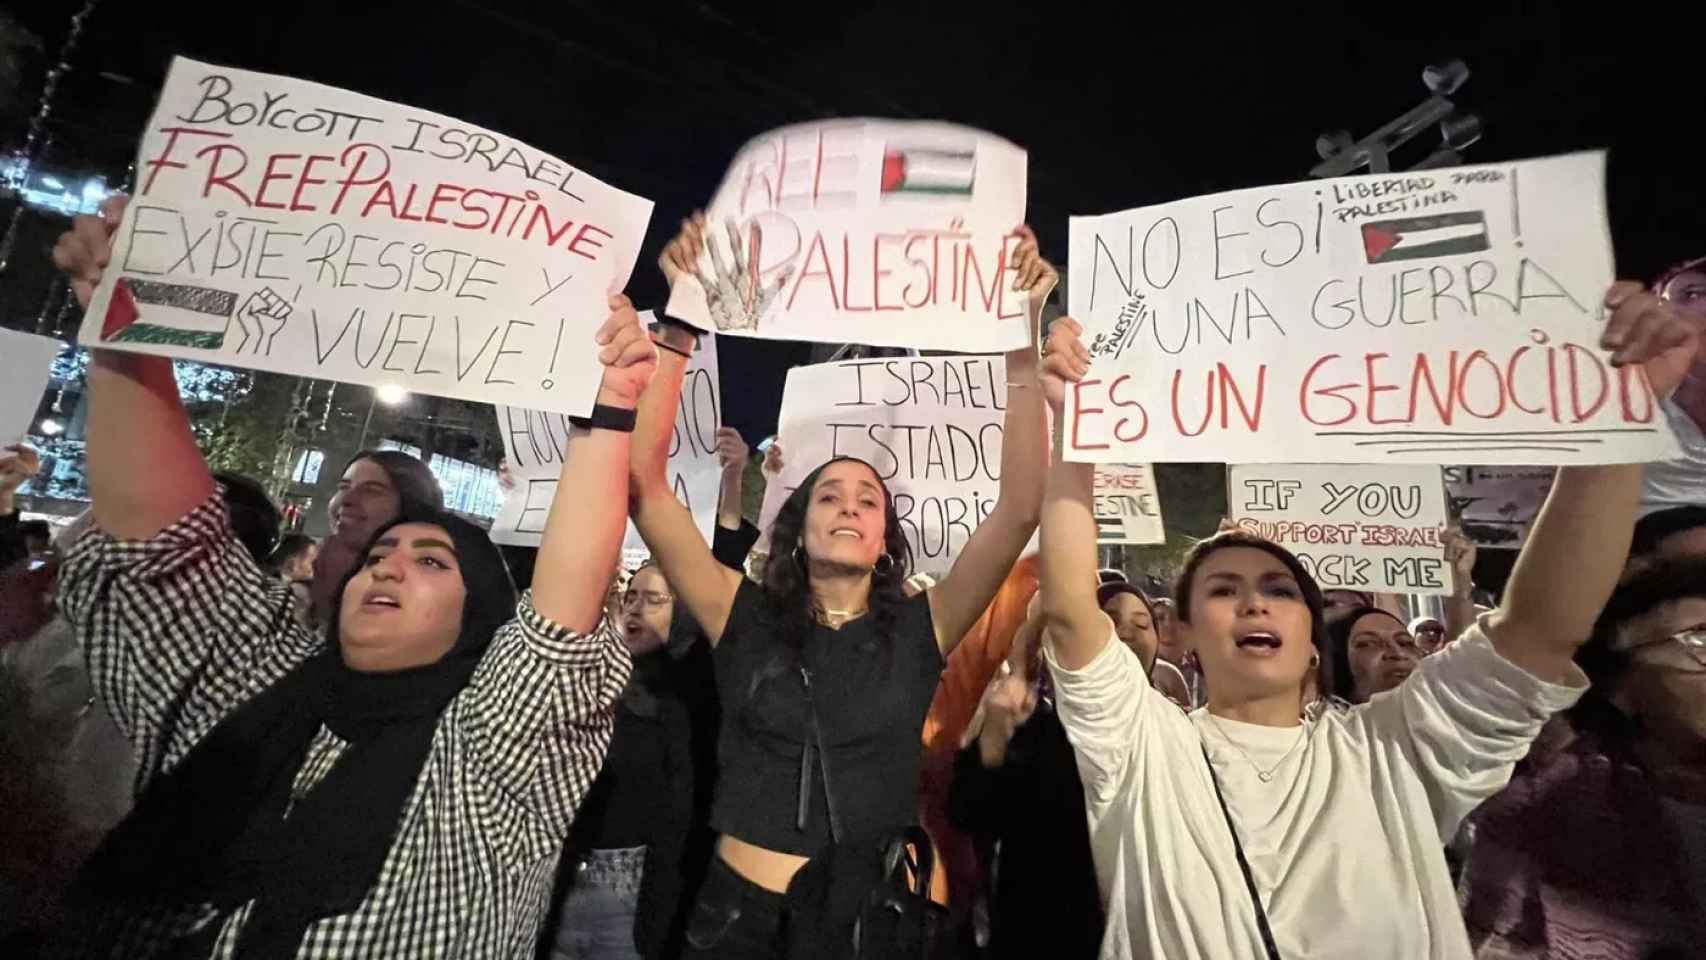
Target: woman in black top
{"type": "Point", "coordinates": [620, 883]}
{"type": "Point", "coordinates": [825, 669]}
{"type": "Point", "coordinates": [1016, 790]}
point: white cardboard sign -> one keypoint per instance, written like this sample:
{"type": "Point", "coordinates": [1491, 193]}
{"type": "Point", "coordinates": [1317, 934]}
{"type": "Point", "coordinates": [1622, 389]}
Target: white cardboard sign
{"type": "Point", "coordinates": [865, 231]}
{"type": "Point", "coordinates": [1371, 528]}
{"type": "Point", "coordinates": [288, 226]}
{"type": "Point", "coordinates": [535, 442]}
{"type": "Point", "coordinates": [26, 361]}
{"type": "Point", "coordinates": [1127, 506]}
{"type": "Point", "coordinates": [931, 427]}
{"type": "Point", "coordinates": [1449, 316]}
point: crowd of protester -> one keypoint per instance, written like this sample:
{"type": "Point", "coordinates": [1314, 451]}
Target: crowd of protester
{"type": "Point", "coordinates": [221, 739]}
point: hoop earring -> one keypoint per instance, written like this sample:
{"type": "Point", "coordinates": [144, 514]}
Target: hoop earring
{"type": "Point", "coordinates": [878, 567]}
{"type": "Point", "coordinates": [800, 556]}
{"type": "Point", "coordinates": [1315, 661]}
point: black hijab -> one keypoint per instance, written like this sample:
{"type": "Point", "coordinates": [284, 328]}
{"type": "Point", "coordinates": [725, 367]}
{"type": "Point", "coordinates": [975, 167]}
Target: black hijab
{"type": "Point", "coordinates": [214, 830]}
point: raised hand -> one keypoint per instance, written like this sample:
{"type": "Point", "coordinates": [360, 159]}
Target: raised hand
{"type": "Point", "coordinates": [1065, 360]}
{"type": "Point", "coordinates": [627, 353]}
{"type": "Point", "coordinates": [84, 251]}
{"type": "Point", "coordinates": [773, 461]}
{"type": "Point", "coordinates": [731, 450]}
{"type": "Point", "coordinates": [681, 256]}
{"type": "Point", "coordinates": [1460, 553]}
{"type": "Point", "coordinates": [1036, 276]}
{"type": "Point", "coordinates": [18, 463]}
{"type": "Point", "coordinates": [1650, 331]}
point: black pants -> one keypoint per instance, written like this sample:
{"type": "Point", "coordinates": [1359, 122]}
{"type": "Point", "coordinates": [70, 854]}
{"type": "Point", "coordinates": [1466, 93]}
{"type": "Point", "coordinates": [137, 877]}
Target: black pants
{"type": "Point", "coordinates": [735, 919]}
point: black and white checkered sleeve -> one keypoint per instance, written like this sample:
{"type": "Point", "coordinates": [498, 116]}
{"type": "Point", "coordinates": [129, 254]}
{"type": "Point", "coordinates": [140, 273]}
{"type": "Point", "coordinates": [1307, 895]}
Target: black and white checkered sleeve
{"type": "Point", "coordinates": [540, 711]}
{"type": "Point", "coordinates": [179, 629]}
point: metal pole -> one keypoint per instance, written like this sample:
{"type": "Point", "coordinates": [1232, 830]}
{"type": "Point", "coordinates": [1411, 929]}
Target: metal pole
{"type": "Point", "coordinates": [372, 401]}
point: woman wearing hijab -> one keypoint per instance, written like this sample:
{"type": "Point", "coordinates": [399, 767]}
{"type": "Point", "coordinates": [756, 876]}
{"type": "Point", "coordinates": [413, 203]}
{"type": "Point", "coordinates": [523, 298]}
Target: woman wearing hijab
{"type": "Point", "coordinates": [375, 487]}
{"type": "Point", "coordinates": [1256, 828]}
{"type": "Point", "coordinates": [400, 787]}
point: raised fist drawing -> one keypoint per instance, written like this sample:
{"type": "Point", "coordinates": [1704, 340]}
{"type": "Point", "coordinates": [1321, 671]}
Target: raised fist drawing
{"type": "Point", "coordinates": [260, 318]}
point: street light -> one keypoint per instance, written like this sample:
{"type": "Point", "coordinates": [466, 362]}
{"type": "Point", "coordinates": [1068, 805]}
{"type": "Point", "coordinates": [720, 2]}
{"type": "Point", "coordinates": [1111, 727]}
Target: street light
{"type": "Point", "coordinates": [389, 394]}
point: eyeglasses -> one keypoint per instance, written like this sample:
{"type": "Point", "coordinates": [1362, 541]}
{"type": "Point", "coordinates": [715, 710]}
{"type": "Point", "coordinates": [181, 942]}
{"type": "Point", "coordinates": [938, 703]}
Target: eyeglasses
{"type": "Point", "coordinates": [648, 598]}
{"type": "Point", "coordinates": [1692, 641]}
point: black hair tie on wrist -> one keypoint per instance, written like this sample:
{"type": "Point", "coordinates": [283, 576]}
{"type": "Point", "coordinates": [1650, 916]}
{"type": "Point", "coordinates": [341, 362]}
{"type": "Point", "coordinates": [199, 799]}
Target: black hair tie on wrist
{"type": "Point", "coordinates": [605, 417]}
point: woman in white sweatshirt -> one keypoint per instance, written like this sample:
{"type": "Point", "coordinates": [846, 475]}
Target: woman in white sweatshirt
{"type": "Point", "coordinates": [1259, 826]}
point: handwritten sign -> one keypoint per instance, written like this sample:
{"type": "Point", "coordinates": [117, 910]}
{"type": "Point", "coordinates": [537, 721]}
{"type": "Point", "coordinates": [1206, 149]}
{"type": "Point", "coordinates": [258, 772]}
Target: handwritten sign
{"type": "Point", "coordinates": [535, 443]}
{"type": "Point", "coordinates": [1495, 506]}
{"type": "Point", "coordinates": [1371, 528]}
{"type": "Point", "coordinates": [1128, 510]}
{"type": "Point", "coordinates": [287, 226]}
{"type": "Point", "coordinates": [26, 361]}
{"type": "Point", "coordinates": [930, 426]}
{"type": "Point", "coordinates": [867, 231]}
{"type": "Point", "coordinates": [1451, 316]}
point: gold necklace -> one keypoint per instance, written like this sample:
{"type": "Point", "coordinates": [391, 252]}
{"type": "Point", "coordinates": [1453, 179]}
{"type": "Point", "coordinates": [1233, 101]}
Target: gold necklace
{"type": "Point", "coordinates": [824, 615]}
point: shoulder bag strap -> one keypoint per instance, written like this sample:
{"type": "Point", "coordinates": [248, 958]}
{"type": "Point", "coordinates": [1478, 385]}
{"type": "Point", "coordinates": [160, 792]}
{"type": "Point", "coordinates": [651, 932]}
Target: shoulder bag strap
{"type": "Point", "coordinates": [1243, 864]}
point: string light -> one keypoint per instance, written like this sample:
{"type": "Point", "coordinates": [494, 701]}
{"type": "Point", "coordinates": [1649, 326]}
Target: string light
{"type": "Point", "coordinates": [36, 138]}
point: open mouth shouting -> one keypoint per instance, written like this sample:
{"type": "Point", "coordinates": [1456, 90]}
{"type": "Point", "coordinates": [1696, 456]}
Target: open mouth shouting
{"type": "Point", "coordinates": [378, 599]}
{"type": "Point", "coordinates": [1260, 643]}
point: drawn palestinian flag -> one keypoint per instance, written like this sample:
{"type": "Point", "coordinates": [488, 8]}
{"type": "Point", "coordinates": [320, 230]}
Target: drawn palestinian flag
{"type": "Point", "coordinates": [928, 171]}
{"type": "Point", "coordinates": [1412, 238]}
{"type": "Point", "coordinates": [146, 311]}
{"type": "Point", "coordinates": [1110, 530]}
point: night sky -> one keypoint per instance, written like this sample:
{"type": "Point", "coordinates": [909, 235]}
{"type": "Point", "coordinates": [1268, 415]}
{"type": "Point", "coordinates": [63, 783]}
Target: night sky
{"type": "Point", "coordinates": [1119, 105]}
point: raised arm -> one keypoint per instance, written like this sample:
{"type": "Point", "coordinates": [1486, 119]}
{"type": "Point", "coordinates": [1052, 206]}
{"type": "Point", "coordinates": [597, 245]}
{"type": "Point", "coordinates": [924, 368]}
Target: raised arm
{"type": "Point", "coordinates": [704, 585]}
{"type": "Point", "coordinates": [583, 531]}
{"type": "Point", "coordinates": [145, 471]}
{"type": "Point", "coordinates": [1076, 626]}
{"type": "Point", "coordinates": [960, 598]}
{"type": "Point", "coordinates": [1460, 606]}
{"type": "Point", "coordinates": [732, 455]}
{"type": "Point", "coordinates": [1577, 547]}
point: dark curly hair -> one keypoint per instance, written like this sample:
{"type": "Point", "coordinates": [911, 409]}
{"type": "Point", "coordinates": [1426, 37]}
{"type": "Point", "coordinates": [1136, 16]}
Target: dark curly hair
{"type": "Point", "coordinates": [1311, 590]}
{"type": "Point", "coordinates": [787, 580]}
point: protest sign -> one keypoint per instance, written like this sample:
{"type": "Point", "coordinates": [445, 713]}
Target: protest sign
{"type": "Point", "coordinates": [1372, 528]}
{"type": "Point", "coordinates": [1449, 316]}
{"type": "Point", "coordinates": [865, 231]}
{"type": "Point", "coordinates": [1128, 510]}
{"type": "Point", "coordinates": [535, 442]}
{"type": "Point", "coordinates": [26, 361]}
{"type": "Point", "coordinates": [1496, 505]}
{"type": "Point", "coordinates": [929, 426]}
{"type": "Point", "coordinates": [288, 226]}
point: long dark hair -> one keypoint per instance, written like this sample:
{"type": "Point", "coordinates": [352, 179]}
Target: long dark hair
{"type": "Point", "coordinates": [1311, 590]}
{"type": "Point", "coordinates": [787, 578]}
{"type": "Point", "coordinates": [418, 491]}
{"type": "Point", "coordinates": [1339, 638]}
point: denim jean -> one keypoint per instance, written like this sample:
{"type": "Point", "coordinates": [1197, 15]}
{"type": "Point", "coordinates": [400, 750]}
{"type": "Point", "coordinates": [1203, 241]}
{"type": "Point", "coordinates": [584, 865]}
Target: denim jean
{"type": "Point", "coordinates": [597, 919]}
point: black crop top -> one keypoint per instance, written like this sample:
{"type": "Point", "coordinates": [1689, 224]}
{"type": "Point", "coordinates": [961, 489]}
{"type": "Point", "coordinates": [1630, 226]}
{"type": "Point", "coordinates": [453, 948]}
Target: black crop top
{"type": "Point", "coordinates": [870, 709]}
